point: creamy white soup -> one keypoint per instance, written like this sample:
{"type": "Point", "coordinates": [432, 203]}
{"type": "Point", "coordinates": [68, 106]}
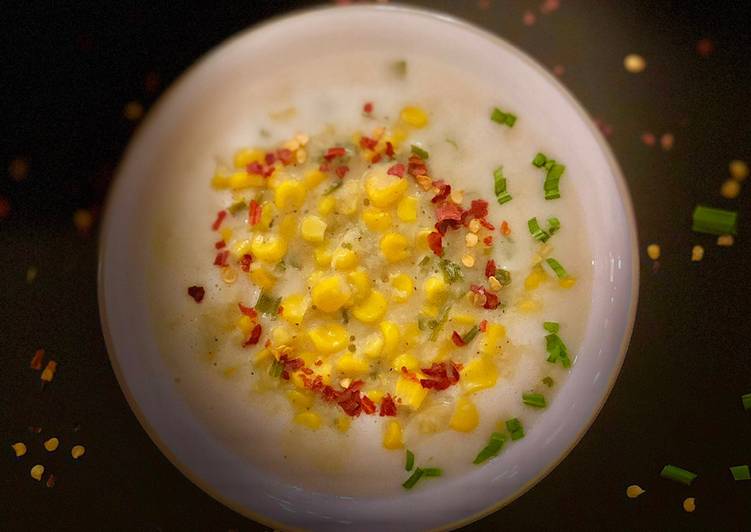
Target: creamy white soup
{"type": "Point", "coordinates": [372, 278]}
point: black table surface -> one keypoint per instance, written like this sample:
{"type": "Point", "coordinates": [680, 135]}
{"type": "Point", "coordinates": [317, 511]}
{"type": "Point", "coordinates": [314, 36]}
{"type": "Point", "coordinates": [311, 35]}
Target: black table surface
{"type": "Point", "coordinates": [67, 74]}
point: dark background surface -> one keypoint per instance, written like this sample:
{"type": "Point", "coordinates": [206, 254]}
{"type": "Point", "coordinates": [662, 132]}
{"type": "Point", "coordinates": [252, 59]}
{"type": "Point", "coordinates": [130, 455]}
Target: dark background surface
{"type": "Point", "coordinates": [66, 76]}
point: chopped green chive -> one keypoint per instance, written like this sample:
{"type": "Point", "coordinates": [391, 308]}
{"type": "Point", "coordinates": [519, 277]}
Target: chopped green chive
{"type": "Point", "coordinates": [280, 267]}
{"type": "Point", "coordinates": [515, 428]}
{"type": "Point", "coordinates": [498, 116]}
{"type": "Point", "coordinates": [451, 271]}
{"type": "Point", "coordinates": [559, 270]}
{"type": "Point", "coordinates": [267, 304]}
{"type": "Point", "coordinates": [536, 400]}
{"type": "Point", "coordinates": [678, 474]}
{"type": "Point", "coordinates": [552, 179]}
{"type": "Point", "coordinates": [439, 324]}
{"type": "Point", "coordinates": [412, 480]}
{"type": "Point", "coordinates": [740, 472]}
{"type": "Point", "coordinates": [491, 449]}
{"type": "Point", "coordinates": [503, 276]}
{"type": "Point", "coordinates": [557, 350]}
{"type": "Point", "coordinates": [236, 207]}
{"type": "Point", "coordinates": [432, 472]}
{"type": "Point", "coordinates": [410, 463]}
{"type": "Point", "coordinates": [276, 368]}
{"type": "Point", "coordinates": [539, 160]}
{"type": "Point", "coordinates": [714, 221]}
{"type": "Point", "coordinates": [424, 261]}
{"type": "Point", "coordinates": [345, 316]}
{"type": "Point", "coordinates": [399, 68]}
{"type": "Point", "coordinates": [746, 401]}
{"type": "Point", "coordinates": [549, 382]}
{"type": "Point", "coordinates": [500, 186]}
{"type": "Point", "coordinates": [551, 326]}
{"type": "Point", "coordinates": [452, 142]}
{"type": "Point", "coordinates": [536, 231]}
{"type": "Point", "coordinates": [422, 154]}
{"type": "Point", "coordinates": [554, 225]}
{"type": "Point", "coordinates": [333, 187]}
{"type": "Point", "coordinates": [549, 164]}
{"type": "Point", "coordinates": [470, 335]}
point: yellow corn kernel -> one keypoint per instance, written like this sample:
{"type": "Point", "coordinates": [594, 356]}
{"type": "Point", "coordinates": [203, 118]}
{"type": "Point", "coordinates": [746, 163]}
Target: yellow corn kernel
{"type": "Point", "coordinates": [312, 228]}
{"type": "Point", "coordinates": [322, 257]}
{"type": "Point", "coordinates": [398, 135]}
{"type": "Point", "coordinates": [406, 360]}
{"type": "Point", "coordinates": [313, 178]}
{"type": "Point", "coordinates": [376, 220]}
{"type": "Point", "coordinates": [529, 306]}
{"type": "Point", "coordinates": [344, 259]}
{"type": "Point", "coordinates": [300, 399]}
{"type": "Point", "coordinates": [351, 365]}
{"type": "Point", "coordinates": [493, 338]}
{"type": "Point", "coordinates": [267, 214]}
{"type": "Point", "coordinates": [371, 309]}
{"type": "Point", "coordinates": [268, 248]}
{"type": "Point", "coordinates": [567, 282]}
{"type": "Point", "coordinates": [330, 293]}
{"type": "Point", "coordinates": [242, 247]}
{"type": "Point", "coordinates": [414, 116]}
{"type": "Point", "coordinates": [295, 306]}
{"type": "Point", "coordinates": [390, 332]}
{"type": "Point", "coordinates": [289, 195]}
{"type": "Point", "coordinates": [308, 419]}
{"type": "Point", "coordinates": [329, 338]}
{"type": "Point", "coordinates": [403, 287]}
{"type": "Point", "coordinates": [375, 395]}
{"type": "Point", "coordinates": [281, 335]}
{"type": "Point", "coordinates": [435, 289]}
{"type": "Point", "coordinates": [326, 205]}
{"type": "Point", "coordinates": [245, 324]}
{"type": "Point", "coordinates": [479, 374]}
{"type": "Point", "coordinates": [343, 423]}
{"type": "Point", "coordinates": [242, 179]}
{"type": "Point", "coordinates": [245, 156]}
{"type": "Point", "coordinates": [226, 233]}
{"type": "Point", "coordinates": [445, 349]}
{"type": "Point", "coordinates": [359, 280]}
{"type": "Point", "coordinates": [465, 417]}
{"type": "Point", "coordinates": [395, 247]}
{"type": "Point", "coordinates": [429, 311]}
{"type": "Point", "coordinates": [385, 190]}
{"type": "Point", "coordinates": [392, 437]}
{"type": "Point", "coordinates": [219, 180]}
{"type": "Point", "coordinates": [373, 345]}
{"type": "Point", "coordinates": [262, 357]}
{"type": "Point", "coordinates": [535, 277]}
{"type": "Point", "coordinates": [463, 319]}
{"type": "Point", "coordinates": [262, 278]}
{"type": "Point", "coordinates": [410, 335]}
{"type": "Point", "coordinates": [407, 209]}
{"type": "Point", "coordinates": [421, 239]}
{"type": "Point", "coordinates": [410, 392]}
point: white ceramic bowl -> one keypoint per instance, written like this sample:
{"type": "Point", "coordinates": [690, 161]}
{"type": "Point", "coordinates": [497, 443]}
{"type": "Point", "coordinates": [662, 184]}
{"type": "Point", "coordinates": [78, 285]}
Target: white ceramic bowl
{"type": "Point", "coordinates": [148, 385]}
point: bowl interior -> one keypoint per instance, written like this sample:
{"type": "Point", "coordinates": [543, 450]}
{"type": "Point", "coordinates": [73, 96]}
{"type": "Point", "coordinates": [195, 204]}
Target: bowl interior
{"type": "Point", "coordinates": [606, 211]}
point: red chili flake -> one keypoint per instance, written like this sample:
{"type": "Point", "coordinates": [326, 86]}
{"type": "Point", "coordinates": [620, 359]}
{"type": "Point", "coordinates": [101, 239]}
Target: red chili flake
{"type": "Point", "coordinates": [221, 258]}
{"type": "Point", "coordinates": [388, 407]}
{"type": "Point", "coordinates": [488, 241]}
{"type": "Point", "coordinates": [491, 301]}
{"type": "Point", "coordinates": [248, 311]}
{"type": "Point", "coordinates": [254, 212]}
{"type": "Point", "coordinates": [478, 209]}
{"type": "Point", "coordinates": [255, 335]}
{"type": "Point", "coordinates": [408, 374]}
{"type": "Point", "coordinates": [197, 293]}
{"type": "Point", "coordinates": [389, 149]}
{"type": "Point", "coordinates": [376, 158]}
{"type": "Point", "coordinates": [505, 228]}
{"type": "Point", "coordinates": [220, 244]}
{"type": "Point", "coordinates": [324, 167]}
{"type": "Point", "coordinates": [254, 168]}
{"type": "Point", "coordinates": [435, 243]}
{"type": "Point", "coordinates": [307, 371]}
{"type": "Point", "coordinates": [486, 224]}
{"type": "Point", "coordinates": [219, 219]}
{"type": "Point", "coordinates": [648, 138]}
{"type": "Point", "coordinates": [449, 211]}
{"type": "Point", "coordinates": [335, 152]}
{"type": "Point", "coordinates": [457, 339]}
{"type": "Point", "coordinates": [444, 189]}
{"type": "Point", "coordinates": [368, 143]}
{"type": "Point", "coordinates": [4, 208]}
{"type": "Point", "coordinates": [705, 47]}
{"type": "Point", "coordinates": [280, 310]}
{"type": "Point", "coordinates": [442, 375]}
{"type": "Point", "coordinates": [367, 108]}
{"type": "Point", "coordinates": [483, 325]}
{"type": "Point", "coordinates": [329, 393]}
{"type": "Point", "coordinates": [341, 171]}
{"type": "Point", "coordinates": [368, 406]}
{"type": "Point", "coordinates": [270, 158]}
{"type": "Point", "coordinates": [51, 481]}
{"type": "Point", "coordinates": [245, 262]}
{"type": "Point", "coordinates": [529, 18]}
{"type": "Point", "coordinates": [397, 170]}
{"type": "Point", "coordinates": [37, 359]}
{"type": "Point", "coordinates": [490, 268]}
{"type": "Point", "coordinates": [416, 166]}
{"type": "Point", "coordinates": [285, 155]}
{"type": "Point", "coordinates": [292, 364]}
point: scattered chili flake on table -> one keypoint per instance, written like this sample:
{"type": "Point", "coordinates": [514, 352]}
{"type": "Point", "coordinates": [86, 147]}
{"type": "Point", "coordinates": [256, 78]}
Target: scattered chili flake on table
{"type": "Point", "coordinates": [83, 220]}
{"type": "Point", "coordinates": [18, 169]}
{"type": "Point", "coordinates": [648, 139]}
{"type": "Point", "coordinates": [367, 108]}
{"type": "Point", "coordinates": [51, 479]}
{"type": "Point", "coordinates": [705, 47]}
{"type": "Point", "coordinates": [37, 359]}
{"type": "Point", "coordinates": [133, 111]}
{"type": "Point", "coordinates": [197, 293]}
{"type": "Point", "coordinates": [49, 371]}
{"type": "Point", "coordinates": [666, 141]}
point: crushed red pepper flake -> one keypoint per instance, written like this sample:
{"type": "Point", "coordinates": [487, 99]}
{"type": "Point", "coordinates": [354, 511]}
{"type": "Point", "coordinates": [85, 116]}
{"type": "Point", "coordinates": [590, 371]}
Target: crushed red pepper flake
{"type": "Point", "coordinates": [397, 170]}
{"type": "Point", "coordinates": [341, 171]}
{"type": "Point", "coordinates": [49, 371]}
{"type": "Point", "coordinates": [389, 150]}
{"type": "Point", "coordinates": [219, 219]}
{"type": "Point", "coordinates": [505, 228]}
{"type": "Point", "coordinates": [490, 268]}
{"type": "Point", "coordinates": [197, 293]}
{"type": "Point", "coordinates": [367, 108]}
{"type": "Point", "coordinates": [37, 359]}
{"type": "Point", "coordinates": [255, 336]}
{"type": "Point", "coordinates": [368, 406]}
{"type": "Point", "coordinates": [368, 143]}
{"type": "Point", "coordinates": [457, 339]}
{"type": "Point", "coordinates": [483, 325]}
{"type": "Point", "coordinates": [488, 240]}
{"type": "Point", "coordinates": [254, 212]}
{"type": "Point", "coordinates": [248, 311]}
{"type": "Point", "coordinates": [220, 244]}
{"type": "Point", "coordinates": [4, 208]}
{"type": "Point", "coordinates": [441, 375]}
{"type": "Point", "coordinates": [221, 258]}
{"type": "Point", "coordinates": [435, 243]}
{"type": "Point", "coordinates": [245, 262]}
{"type": "Point", "coordinates": [335, 152]}
{"type": "Point", "coordinates": [51, 480]}
{"type": "Point", "coordinates": [388, 406]}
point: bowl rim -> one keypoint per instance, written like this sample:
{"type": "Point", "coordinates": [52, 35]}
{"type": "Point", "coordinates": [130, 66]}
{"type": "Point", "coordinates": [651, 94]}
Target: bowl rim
{"type": "Point", "coordinates": [396, 9]}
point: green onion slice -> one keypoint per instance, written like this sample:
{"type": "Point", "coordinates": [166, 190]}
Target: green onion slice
{"type": "Point", "coordinates": [498, 116]}
{"type": "Point", "coordinates": [412, 480]}
{"type": "Point", "coordinates": [501, 194]}
{"type": "Point", "coordinates": [410, 463]}
{"type": "Point", "coordinates": [551, 326]}
{"type": "Point", "coordinates": [746, 401]}
{"type": "Point", "coordinates": [276, 368]}
{"type": "Point", "coordinates": [557, 350]}
{"type": "Point", "coordinates": [439, 324]}
{"type": "Point", "coordinates": [540, 160]}
{"type": "Point", "coordinates": [422, 154]}
{"type": "Point", "coordinates": [552, 180]}
{"type": "Point", "coordinates": [536, 400]}
{"type": "Point", "coordinates": [470, 334]}
{"type": "Point", "coordinates": [536, 231]}
{"type": "Point", "coordinates": [432, 472]}
{"type": "Point", "coordinates": [236, 207]}
{"type": "Point", "coordinates": [503, 276]}
{"type": "Point", "coordinates": [268, 304]}
{"type": "Point", "coordinates": [740, 472]}
{"type": "Point", "coordinates": [554, 225]}
{"type": "Point", "coordinates": [559, 270]}
{"type": "Point", "coordinates": [451, 271]}
{"type": "Point", "coordinates": [333, 187]}
{"type": "Point", "coordinates": [678, 474]}
{"type": "Point", "coordinates": [491, 449]}
{"type": "Point", "coordinates": [714, 221]}
{"type": "Point", "coordinates": [515, 428]}
{"type": "Point", "coordinates": [549, 382]}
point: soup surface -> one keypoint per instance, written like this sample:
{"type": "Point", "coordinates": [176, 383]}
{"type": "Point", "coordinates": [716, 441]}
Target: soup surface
{"type": "Point", "coordinates": [363, 265]}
